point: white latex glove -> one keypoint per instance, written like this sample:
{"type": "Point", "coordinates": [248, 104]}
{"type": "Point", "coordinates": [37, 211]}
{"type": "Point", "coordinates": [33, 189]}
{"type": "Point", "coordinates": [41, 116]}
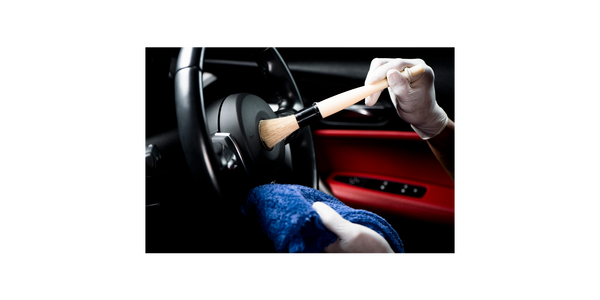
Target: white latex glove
{"type": "Point", "coordinates": [351, 237]}
{"type": "Point", "coordinates": [415, 102]}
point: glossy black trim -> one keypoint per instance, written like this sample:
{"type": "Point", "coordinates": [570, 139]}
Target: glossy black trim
{"type": "Point", "coordinates": [308, 116]}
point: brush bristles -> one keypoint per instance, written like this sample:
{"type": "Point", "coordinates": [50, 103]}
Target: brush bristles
{"type": "Point", "coordinates": [273, 131]}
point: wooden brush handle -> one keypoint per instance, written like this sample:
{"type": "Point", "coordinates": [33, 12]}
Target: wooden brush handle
{"type": "Point", "coordinates": [338, 102]}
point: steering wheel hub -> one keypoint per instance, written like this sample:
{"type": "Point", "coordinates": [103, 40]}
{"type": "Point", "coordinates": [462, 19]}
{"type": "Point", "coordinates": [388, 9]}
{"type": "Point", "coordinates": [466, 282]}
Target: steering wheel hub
{"type": "Point", "coordinates": [239, 116]}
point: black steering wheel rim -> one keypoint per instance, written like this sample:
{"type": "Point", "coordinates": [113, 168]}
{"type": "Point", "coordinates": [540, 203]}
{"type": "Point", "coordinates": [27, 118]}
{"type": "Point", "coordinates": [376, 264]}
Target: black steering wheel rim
{"type": "Point", "coordinates": [196, 140]}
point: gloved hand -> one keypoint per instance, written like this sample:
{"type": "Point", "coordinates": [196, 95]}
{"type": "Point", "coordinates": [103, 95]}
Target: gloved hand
{"type": "Point", "coordinates": [351, 237]}
{"type": "Point", "coordinates": [415, 102]}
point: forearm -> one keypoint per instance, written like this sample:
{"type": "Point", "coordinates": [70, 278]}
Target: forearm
{"type": "Point", "coordinates": [442, 146]}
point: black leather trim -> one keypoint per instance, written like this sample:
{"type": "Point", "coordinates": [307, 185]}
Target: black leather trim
{"type": "Point", "coordinates": [193, 133]}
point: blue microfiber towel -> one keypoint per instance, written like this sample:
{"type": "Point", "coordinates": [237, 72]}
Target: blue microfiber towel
{"type": "Point", "coordinates": [286, 215]}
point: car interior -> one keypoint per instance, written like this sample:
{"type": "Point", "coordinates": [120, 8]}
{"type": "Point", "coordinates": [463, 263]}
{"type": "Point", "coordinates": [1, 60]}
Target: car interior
{"type": "Point", "coordinates": [203, 151]}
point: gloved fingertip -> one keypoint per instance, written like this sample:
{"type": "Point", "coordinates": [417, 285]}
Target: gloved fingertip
{"type": "Point", "coordinates": [393, 77]}
{"type": "Point", "coordinates": [372, 99]}
{"type": "Point", "coordinates": [324, 212]}
{"type": "Point", "coordinates": [321, 208]}
{"type": "Point", "coordinates": [330, 218]}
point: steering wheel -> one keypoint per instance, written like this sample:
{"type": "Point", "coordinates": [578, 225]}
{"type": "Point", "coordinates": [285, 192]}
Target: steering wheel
{"type": "Point", "coordinates": [220, 139]}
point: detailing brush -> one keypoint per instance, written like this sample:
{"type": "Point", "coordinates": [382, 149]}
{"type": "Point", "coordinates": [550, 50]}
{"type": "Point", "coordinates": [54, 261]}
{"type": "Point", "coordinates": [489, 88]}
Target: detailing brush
{"type": "Point", "coordinates": [273, 131]}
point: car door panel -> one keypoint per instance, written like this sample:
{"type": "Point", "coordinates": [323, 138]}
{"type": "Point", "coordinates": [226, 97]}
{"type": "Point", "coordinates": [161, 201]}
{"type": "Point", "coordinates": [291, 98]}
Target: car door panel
{"type": "Point", "coordinates": [437, 206]}
{"type": "Point", "coordinates": [385, 157]}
